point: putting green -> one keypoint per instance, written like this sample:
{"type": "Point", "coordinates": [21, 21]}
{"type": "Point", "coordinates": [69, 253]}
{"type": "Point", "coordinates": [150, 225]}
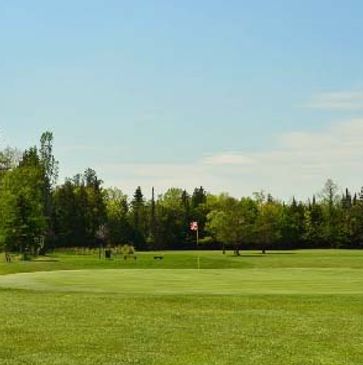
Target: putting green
{"type": "Point", "coordinates": [185, 281]}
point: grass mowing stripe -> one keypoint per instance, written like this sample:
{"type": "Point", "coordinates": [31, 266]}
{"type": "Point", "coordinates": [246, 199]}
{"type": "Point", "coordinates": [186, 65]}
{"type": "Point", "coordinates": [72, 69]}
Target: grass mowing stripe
{"type": "Point", "coordinates": [186, 281]}
{"type": "Point", "coordinates": [188, 260]}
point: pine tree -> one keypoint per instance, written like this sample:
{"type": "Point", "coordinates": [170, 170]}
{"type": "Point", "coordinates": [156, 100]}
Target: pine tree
{"type": "Point", "coordinates": [138, 218]}
{"type": "Point", "coordinates": [153, 221]}
{"type": "Point", "coordinates": [313, 227]}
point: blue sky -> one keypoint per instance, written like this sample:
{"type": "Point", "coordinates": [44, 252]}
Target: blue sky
{"type": "Point", "coordinates": [234, 95]}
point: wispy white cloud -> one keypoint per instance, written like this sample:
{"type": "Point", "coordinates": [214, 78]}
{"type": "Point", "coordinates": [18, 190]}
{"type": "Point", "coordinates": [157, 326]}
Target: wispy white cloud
{"type": "Point", "coordinates": [300, 163]}
{"type": "Point", "coordinates": [81, 147]}
{"type": "Point", "coordinates": [228, 158]}
{"type": "Point", "coordinates": [343, 101]}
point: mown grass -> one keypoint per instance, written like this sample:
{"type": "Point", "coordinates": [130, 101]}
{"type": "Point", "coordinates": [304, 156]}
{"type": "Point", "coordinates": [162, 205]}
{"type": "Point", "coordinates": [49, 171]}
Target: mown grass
{"type": "Point", "coordinates": [192, 282]}
{"type": "Point", "coordinates": [188, 260]}
{"type": "Point", "coordinates": [284, 308]}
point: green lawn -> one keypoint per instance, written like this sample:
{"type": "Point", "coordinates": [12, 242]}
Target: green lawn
{"type": "Point", "coordinates": [283, 308]}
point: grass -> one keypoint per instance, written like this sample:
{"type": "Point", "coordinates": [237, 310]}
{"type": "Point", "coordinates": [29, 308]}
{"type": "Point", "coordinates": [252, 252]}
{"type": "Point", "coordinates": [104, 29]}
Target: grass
{"type": "Point", "coordinates": [283, 308]}
{"type": "Point", "coordinates": [188, 260]}
{"type": "Point", "coordinates": [190, 281]}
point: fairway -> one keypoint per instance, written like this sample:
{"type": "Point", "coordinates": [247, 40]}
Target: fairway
{"type": "Point", "coordinates": [293, 308]}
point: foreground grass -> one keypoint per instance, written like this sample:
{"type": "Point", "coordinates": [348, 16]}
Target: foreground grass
{"type": "Point", "coordinates": [59, 328]}
{"type": "Point", "coordinates": [285, 308]}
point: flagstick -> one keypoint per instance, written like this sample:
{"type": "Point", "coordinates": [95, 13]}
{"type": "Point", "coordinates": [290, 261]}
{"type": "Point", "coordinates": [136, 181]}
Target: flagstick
{"type": "Point", "coordinates": [198, 251]}
{"type": "Point", "coordinates": [194, 227]}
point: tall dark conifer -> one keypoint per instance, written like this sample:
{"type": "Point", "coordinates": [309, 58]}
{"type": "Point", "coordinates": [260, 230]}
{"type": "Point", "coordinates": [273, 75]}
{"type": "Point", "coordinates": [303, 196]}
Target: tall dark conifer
{"type": "Point", "coordinates": [137, 214]}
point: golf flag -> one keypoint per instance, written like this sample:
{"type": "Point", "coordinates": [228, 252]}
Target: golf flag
{"type": "Point", "coordinates": [194, 226]}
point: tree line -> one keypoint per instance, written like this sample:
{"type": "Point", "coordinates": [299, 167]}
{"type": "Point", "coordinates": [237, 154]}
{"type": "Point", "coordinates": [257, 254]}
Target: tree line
{"type": "Point", "coordinates": [37, 214]}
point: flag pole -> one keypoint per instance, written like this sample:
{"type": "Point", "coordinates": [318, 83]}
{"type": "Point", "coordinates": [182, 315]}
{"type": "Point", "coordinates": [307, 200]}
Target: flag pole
{"type": "Point", "coordinates": [194, 227]}
{"type": "Point", "coordinates": [197, 249]}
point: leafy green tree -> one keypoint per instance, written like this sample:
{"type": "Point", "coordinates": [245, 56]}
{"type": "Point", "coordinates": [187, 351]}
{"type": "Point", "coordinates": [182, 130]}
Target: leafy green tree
{"type": "Point", "coordinates": [330, 203]}
{"type": "Point", "coordinates": [268, 224]}
{"type": "Point", "coordinates": [50, 168]}
{"type": "Point", "coordinates": [95, 208]}
{"type": "Point", "coordinates": [47, 159]}
{"type": "Point", "coordinates": [171, 219]}
{"type": "Point", "coordinates": [231, 221]}
{"type": "Point", "coordinates": [118, 226]}
{"type": "Point", "coordinates": [199, 209]}
{"type": "Point", "coordinates": [22, 205]}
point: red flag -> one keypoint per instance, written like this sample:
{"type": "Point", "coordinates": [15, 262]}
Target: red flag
{"type": "Point", "coordinates": [194, 226]}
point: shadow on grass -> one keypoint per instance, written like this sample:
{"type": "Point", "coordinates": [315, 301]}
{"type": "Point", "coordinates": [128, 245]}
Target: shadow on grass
{"type": "Point", "coordinates": [279, 253]}
{"type": "Point", "coordinates": [244, 255]}
{"type": "Point", "coordinates": [263, 254]}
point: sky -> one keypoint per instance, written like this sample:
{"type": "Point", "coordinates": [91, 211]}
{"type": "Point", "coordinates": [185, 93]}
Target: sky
{"type": "Point", "coordinates": [236, 96]}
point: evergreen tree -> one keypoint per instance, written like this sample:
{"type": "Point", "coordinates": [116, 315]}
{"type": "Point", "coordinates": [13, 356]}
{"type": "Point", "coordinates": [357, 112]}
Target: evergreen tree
{"type": "Point", "coordinates": [138, 219]}
{"type": "Point", "coordinates": [153, 221]}
{"type": "Point", "coordinates": [356, 220]}
{"type": "Point", "coordinates": [187, 234]}
{"type": "Point", "coordinates": [292, 224]}
{"type": "Point", "coordinates": [65, 220]}
{"type": "Point", "coordinates": [314, 225]}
